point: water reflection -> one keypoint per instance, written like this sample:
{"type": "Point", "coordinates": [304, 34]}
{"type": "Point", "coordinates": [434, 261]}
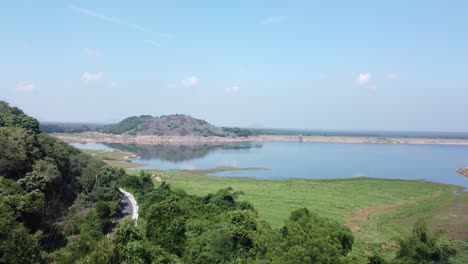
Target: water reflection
{"type": "Point", "coordinates": [181, 153]}
{"type": "Point", "coordinates": [436, 163]}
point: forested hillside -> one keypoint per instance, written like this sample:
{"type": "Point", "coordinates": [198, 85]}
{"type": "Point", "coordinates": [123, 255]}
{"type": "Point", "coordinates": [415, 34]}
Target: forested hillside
{"type": "Point", "coordinates": [52, 196]}
{"type": "Point", "coordinates": [171, 125]}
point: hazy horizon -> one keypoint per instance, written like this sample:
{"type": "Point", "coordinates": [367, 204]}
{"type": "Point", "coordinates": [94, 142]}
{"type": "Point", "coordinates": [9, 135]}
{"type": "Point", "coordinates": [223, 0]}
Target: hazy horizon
{"type": "Point", "coordinates": [324, 130]}
{"type": "Point", "coordinates": [360, 66]}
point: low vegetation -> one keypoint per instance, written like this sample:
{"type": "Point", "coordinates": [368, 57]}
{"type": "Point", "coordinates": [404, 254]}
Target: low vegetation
{"type": "Point", "coordinates": [114, 157]}
{"type": "Point", "coordinates": [377, 211]}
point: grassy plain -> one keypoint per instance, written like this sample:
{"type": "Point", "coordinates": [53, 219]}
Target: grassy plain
{"type": "Point", "coordinates": [377, 210]}
{"type": "Point", "coordinates": [114, 157]}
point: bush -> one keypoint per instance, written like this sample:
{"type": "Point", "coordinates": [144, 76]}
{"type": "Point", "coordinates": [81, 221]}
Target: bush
{"type": "Point", "coordinates": [421, 246]}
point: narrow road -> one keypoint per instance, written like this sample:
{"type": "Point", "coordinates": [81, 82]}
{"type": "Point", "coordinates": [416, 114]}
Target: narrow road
{"type": "Point", "coordinates": [130, 205]}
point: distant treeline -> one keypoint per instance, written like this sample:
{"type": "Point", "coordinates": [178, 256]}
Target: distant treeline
{"type": "Point", "coordinates": [350, 133]}
{"type": "Point", "coordinates": [53, 127]}
{"type": "Point", "coordinates": [50, 127]}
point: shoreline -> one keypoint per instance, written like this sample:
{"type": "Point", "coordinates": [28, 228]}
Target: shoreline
{"type": "Point", "coordinates": [92, 137]}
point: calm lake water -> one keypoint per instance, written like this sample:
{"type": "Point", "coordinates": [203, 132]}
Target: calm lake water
{"type": "Point", "coordinates": [436, 163]}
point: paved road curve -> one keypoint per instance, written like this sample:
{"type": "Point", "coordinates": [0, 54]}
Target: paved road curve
{"type": "Point", "coordinates": [130, 205]}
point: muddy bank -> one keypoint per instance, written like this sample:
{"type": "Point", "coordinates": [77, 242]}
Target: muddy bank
{"type": "Point", "coordinates": [141, 139]}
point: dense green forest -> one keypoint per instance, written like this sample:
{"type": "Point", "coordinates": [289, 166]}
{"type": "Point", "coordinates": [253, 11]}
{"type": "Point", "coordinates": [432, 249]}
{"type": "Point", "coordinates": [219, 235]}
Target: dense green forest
{"type": "Point", "coordinates": [52, 196]}
{"type": "Point", "coordinates": [59, 205]}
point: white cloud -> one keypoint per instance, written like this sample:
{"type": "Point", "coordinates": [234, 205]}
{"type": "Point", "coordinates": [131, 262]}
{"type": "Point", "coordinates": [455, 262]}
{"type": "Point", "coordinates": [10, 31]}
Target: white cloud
{"type": "Point", "coordinates": [393, 76]}
{"type": "Point", "coordinates": [191, 81]}
{"type": "Point", "coordinates": [232, 89]}
{"type": "Point", "coordinates": [89, 76]}
{"type": "Point", "coordinates": [273, 20]}
{"type": "Point", "coordinates": [25, 87]}
{"type": "Point", "coordinates": [363, 79]}
{"type": "Point", "coordinates": [92, 53]}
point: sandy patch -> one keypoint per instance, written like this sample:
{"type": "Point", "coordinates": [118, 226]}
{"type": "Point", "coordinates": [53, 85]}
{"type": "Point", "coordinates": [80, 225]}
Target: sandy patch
{"type": "Point", "coordinates": [152, 139]}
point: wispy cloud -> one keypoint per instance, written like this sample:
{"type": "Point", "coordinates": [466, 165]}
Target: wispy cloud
{"type": "Point", "coordinates": [92, 53]}
{"type": "Point", "coordinates": [393, 76]}
{"type": "Point", "coordinates": [116, 20]}
{"type": "Point", "coordinates": [191, 81]}
{"type": "Point", "coordinates": [92, 77]}
{"type": "Point", "coordinates": [232, 90]}
{"type": "Point", "coordinates": [273, 20]}
{"type": "Point", "coordinates": [25, 87]}
{"type": "Point", "coordinates": [363, 79]}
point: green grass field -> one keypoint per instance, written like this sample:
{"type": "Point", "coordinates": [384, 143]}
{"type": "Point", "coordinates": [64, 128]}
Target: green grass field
{"type": "Point", "coordinates": [113, 157]}
{"type": "Point", "coordinates": [378, 211]}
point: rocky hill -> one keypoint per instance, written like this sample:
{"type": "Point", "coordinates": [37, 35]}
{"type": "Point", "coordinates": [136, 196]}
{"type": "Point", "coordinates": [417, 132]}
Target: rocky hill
{"type": "Point", "coordinates": [170, 125]}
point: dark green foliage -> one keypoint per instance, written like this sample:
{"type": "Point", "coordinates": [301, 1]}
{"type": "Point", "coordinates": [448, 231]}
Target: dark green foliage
{"type": "Point", "coordinates": [67, 127]}
{"type": "Point", "coordinates": [128, 126]}
{"type": "Point", "coordinates": [127, 245]}
{"type": "Point", "coordinates": [19, 150]}
{"type": "Point", "coordinates": [207, 132]}
{"type": "Point", "coordinates": [130, 247]}
{"type": "Point", "coordinates": [240, 132]}
{"type": "Point", "coordinates": [225, 199]}
{"type": "Point", "coordinates": [308, 238]}
{"type": "Point", "coordinates": [17, 245]}
{"type": "Point", "coordinates": [421, 246]}
{"type": "Point", "coordinates": [377, 259]}
{"type": "Point", "coordinates": [14, 117]}
{"type": "Point", "coordinates": [34, 181]}
{"type": "Point", "coordinates": [39, 181]}
{"type": "Point", "coordinates": [101, 184]}
{"type": "Point", "coordinates": [168, 227]}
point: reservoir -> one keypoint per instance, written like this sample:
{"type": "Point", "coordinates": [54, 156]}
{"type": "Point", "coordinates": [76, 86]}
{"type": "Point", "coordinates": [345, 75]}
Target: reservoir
{"type": "Point", "coordinates": [284, 160]}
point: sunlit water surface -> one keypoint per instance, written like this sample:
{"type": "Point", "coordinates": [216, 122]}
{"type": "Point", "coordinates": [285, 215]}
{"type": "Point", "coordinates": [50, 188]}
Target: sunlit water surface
{"type": "Point", "coordinates": [436, 163]}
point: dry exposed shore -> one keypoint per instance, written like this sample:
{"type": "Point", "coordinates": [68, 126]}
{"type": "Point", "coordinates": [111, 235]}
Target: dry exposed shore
{"type": "Point", "coordinates": [140, 139]}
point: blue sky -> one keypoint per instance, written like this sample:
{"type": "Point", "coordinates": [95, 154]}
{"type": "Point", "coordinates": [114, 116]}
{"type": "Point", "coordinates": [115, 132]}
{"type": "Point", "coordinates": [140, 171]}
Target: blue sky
{"type": "Point", "coordinates": [358, 65]}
